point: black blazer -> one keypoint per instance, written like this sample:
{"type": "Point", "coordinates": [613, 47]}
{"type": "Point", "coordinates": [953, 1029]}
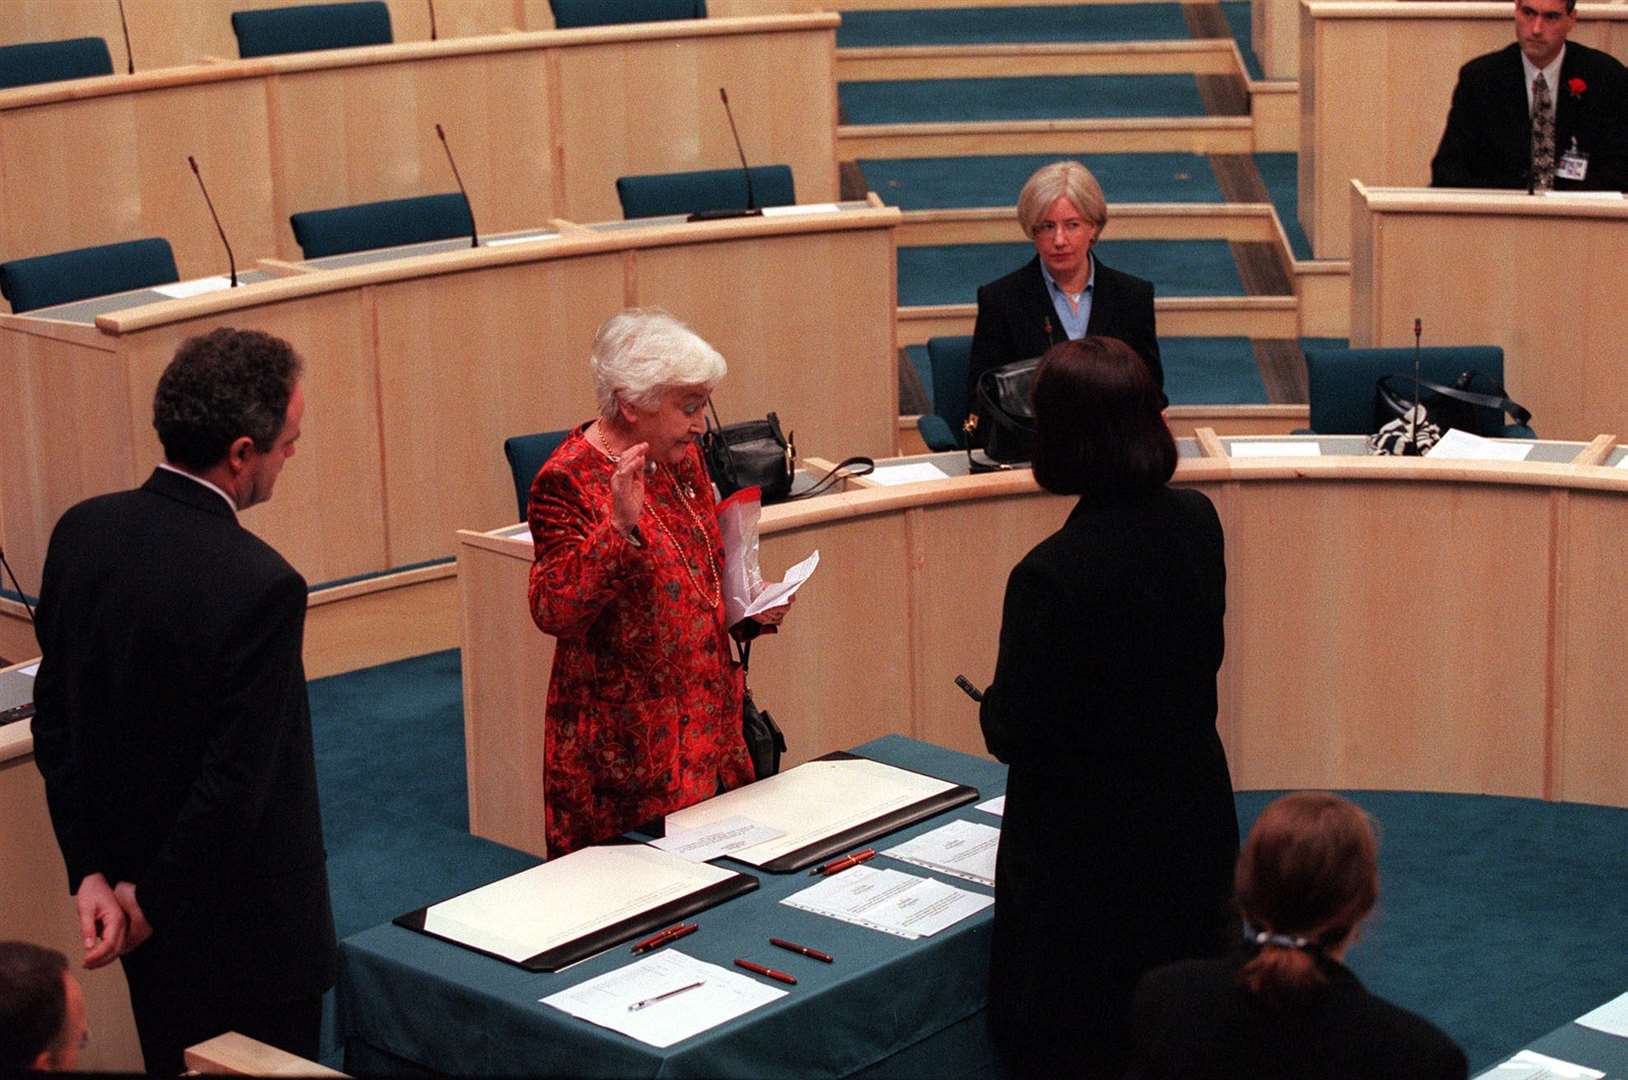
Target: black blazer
{"type": "Point", "coordinates": [1193, 1022]}
{"type": "Point", "coordinates": [174, 735]}
{"type": "Point", "coordinates": [1017, 320]}
{"type": "Point", "coordinates": [1120, 833]}
{"type": "Point", "coordinates": [1488, 140]}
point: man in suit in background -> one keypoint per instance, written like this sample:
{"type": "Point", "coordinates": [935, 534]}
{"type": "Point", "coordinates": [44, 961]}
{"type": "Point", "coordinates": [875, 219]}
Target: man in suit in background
{"type": "Point", "coordinates": [172, 726]}
{"type": "Point", "coordinates": [1539, 114]}
{"type": "Point", "coordinates": [42, 1011]}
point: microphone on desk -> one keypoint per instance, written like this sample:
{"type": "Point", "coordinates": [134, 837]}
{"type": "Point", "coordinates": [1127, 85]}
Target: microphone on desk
{"type": "Point", "coordinates": [129, 57]}
{"type": "Point", "coordinates": [752, 208]}
{"type": "Point", "coordinates": [231, 261]}
{"type": "Point", "coordinates": [1411, 447]}
{"type": "Point", "coordinates": [431, 5]}
{"type": "Point", "coordinates": [474, 233]}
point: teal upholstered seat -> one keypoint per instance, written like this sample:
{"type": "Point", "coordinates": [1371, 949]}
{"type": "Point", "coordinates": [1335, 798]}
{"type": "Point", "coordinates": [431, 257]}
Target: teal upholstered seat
{"type": "Point", "coordinates": [308, 27]}
{"type": "Point", "coordinates": [709, 189]}
{"type": "Point", "coordinates": [1341, 382]}
{"type": "Point", "coordinates": [62, 278]}
{"type": "Point", "coordinates": [570, 14]}
{"type": "Point", "coordinates": [949, 358]}
{"type": "Point", "coordinates": [526, 454]}
{"type": "Point", "coordinates": [52, 61]}
{"type": "Point", "coordinates": [391, 223]}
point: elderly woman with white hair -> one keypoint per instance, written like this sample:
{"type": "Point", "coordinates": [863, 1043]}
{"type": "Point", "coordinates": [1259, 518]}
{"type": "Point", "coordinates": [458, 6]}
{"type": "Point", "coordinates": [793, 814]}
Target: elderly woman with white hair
{"type": "Point", "coordinates": [1065, 292]}
{"type": "Point", "coordinates": [644, 704]}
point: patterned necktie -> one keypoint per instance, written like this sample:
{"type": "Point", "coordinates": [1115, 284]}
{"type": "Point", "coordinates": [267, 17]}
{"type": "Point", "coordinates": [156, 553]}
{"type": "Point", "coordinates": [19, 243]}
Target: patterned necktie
{"type": "Point", "coordinates": [1543, 135]}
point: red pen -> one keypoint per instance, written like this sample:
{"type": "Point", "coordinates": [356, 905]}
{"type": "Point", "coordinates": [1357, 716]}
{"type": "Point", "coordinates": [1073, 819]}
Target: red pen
{"type": "Point", "coordinates": [671, 934]}
{"type": "Point", "coordinates": [839, 865]}
{"type": "Point", "coordinates": [804, 950]}
{"type": "Point", "coordinates": [789, 980]}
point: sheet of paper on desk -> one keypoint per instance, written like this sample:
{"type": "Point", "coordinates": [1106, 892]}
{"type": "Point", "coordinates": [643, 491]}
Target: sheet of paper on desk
{"type": "Point", "coordinates": [180, 290]}
{"type": "Point", "coordinates": [964, 849]}
{"type": "Point", "coordinates": [1623, 464]}
{"type": "Point", "coordinates": [1611, 1018]}
{"type": "Point", "coordinates": [1531, 1065]}
{"type": "Point", "coordinates": [504, 241]}
{"type": "Point", "coordinates": [804, 208]}
{"type": "Point", "coordinates": [1462, 446]}
{"type": "Point", "coordinates": [895, 903]}
{"type": "Point", "coordinates": [996, 806]}
{"type": "Point", "coordinates": [604, 1000]}
{"type": "Point", "coordinates": [914, 473]}
{"type": "Point", "coordinates": [1307, 448]}
{"type": "Point", "coordinates": [31, 669]}
{"type": "Point", "coordinates": [721, 837]}
{"type": "Point", "coordinates": [779, 593]}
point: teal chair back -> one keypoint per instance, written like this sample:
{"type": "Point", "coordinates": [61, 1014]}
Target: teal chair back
{"type": "Point", "coordinates": [526, 454]}
{"type": "Point", "coordinates": [570, 14]}
{"type": "Point", "coordinates": [949, 358]}
{"type": "Point", "coordinates": [52, 61]}
{"type": "Point", "coordinates": [308, 27]}
{"type": "Point", "coordinates": [710, 189]}
{"type": "Point", "coordinates": [1341, 381]}
{"type": "Point", "coordinates": [62, 278]}
{"type": "Point", "coordinates": [381, 224]}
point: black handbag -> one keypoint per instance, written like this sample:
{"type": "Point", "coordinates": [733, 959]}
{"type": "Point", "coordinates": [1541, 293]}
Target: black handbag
{"type": "Point", "coordinates": [1478, 410]}
{"type": "Point", "coordinates": [1006, 404]}
{"type": "Point", "coordinates": [765, 742]}
{"type": "Point", "coordinates": [749, 454]}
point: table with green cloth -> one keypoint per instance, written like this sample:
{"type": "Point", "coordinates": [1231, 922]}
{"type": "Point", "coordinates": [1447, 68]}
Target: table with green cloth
{"type": "Point", "coordinates": [1584, 1046]}
{"type": "Point", "coordinates": [900, 1007]}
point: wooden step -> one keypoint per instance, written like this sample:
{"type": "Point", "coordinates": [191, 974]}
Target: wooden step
{"type": "Point", "coordinates": [1179, 316]}
{"type": "Point", "coordinates": [1115, 135]}
{"type": "Point", "coordinates": [1207, 56]}
{"type": "Point", "coordinates": [1240, 222]}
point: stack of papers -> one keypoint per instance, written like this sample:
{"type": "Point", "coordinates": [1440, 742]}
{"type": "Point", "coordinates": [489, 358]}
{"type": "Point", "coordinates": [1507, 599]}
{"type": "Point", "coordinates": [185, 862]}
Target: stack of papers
{"type": "Point", "coordinates": [608, 999]}
{"type": "Point", "coordinates": [1531, 1065]}
{"type": "Point", "coordinates": [965, 849]}
{"type": "Point", "coordinates": [1462, 446]}
{"type": "Point", "coordinates": [887, 900]}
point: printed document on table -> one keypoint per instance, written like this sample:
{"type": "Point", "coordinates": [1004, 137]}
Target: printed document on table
{"type": "Point", "coordinates": [180, 290]}
{"type": "Point", "coordinates": [915, 472]}
{"type": "Point", "coordinates": [1308, 448]}
{"type": "Point", "coordinates": [722, 837]}
{"type": "Point", "coordinates": [1462, 446]}
{"type": "Point", "coordinates": [1611, 1018]}
{"type": "Point", "coordinates": [1531, 1065]}
{"type": "Point", "coordinates": [778, 593]}
{"type": "Point", "coordinates": [965, 849]}
{"type": "Point", "coordinates": [996, 806]}
{"type": "Point", "coordinates": [605, 1000]}
{"type": "Point", "coordinates": [895, 903]}
{"type": "Point", "coordinates": [815, 800]}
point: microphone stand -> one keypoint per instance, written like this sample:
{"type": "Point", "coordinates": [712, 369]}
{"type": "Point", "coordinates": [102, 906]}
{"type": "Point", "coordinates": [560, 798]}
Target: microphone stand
{"type": "Point", "coordinates": [231, 261]}
{"type": "Point", "coordinates": [752, 209]}
{"type": "Point", "coordinates": [1411, 447]}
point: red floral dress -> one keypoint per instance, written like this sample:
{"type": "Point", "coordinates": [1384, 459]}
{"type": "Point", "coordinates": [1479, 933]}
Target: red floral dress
{"type": "Point", "coordinates": [644, 704]}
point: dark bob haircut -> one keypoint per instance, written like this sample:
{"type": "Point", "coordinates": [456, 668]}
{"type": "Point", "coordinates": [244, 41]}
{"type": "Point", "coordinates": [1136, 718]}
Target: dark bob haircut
{"type": "Point", "coordinates": [1099, 428]}
{"type": "Point", "coordinates": [33, 1003]}
{"type": "Point", "coordinates": [222, 386]}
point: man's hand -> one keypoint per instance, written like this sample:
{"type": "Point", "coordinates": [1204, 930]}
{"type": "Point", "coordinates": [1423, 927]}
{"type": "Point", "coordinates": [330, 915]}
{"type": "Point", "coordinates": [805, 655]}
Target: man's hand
{"type": "Point", "coordinates": [102, 921]}
{"type": "Point", "coordinates": [139, 928]}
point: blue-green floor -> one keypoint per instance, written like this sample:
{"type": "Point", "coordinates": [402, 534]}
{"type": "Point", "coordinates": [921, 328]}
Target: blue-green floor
{"type": "Point", "coordinates": [991, 26]}
{"type": "Point", "coordinates": [952, 273]}
{"type": "Point", "coordinates": [1281, 172]}
{"type": "Point", "coordinates": [941, 183]}
{"type": "Point", "coordinates": [1049, 97]}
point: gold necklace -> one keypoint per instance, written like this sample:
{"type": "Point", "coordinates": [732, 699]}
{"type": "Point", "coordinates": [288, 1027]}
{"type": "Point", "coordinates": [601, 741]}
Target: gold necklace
{"type": "Point", "coordinates": [599, 430]}
{"type": "Point", "coordinates": [717, 594]}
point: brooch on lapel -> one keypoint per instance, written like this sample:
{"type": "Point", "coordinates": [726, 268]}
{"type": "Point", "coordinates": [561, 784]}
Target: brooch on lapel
{"type": "Point", "coordinates": [1576, 86]}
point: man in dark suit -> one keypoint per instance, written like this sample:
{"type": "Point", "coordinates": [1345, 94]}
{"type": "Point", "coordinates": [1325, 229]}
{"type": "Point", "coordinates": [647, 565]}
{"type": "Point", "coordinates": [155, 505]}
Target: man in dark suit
{"type": "Point", "coordinates": [1495, 130]}
{"type": "Point", "coordinates": [173, 730]}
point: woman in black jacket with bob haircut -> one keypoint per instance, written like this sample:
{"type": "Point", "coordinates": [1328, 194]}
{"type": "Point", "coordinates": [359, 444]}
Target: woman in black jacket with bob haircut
{"type": "Point", "coordinates": [1119, 833]}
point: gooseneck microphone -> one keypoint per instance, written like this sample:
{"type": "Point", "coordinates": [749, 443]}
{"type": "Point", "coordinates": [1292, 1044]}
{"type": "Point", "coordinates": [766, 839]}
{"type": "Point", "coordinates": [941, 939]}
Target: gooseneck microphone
{"type": "Point", "coordinates": [474, 233]}
{"type": "Point", "coordinates": [129, 57]}
{"type": "Point", "coordinates": [231, 261]}
{"type": "Point", "coordinates": [431, 4]}
{"type": "Point", "coordinates": [1412, 448]}
{"type": "Point", "coordinates": [752, 208]}
{"type": "Point", "coordinates": [15, 584]}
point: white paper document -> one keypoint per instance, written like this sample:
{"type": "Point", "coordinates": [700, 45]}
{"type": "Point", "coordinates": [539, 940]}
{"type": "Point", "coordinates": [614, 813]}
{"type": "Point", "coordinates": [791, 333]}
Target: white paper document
{"type": "Point", "coordinates": [608, 999]}
{"type": "Point", "coordinates": [722, 837]}
{"type": "Point", "coordinates": [30, 670]}
{"type": "Point", "coordinates": [567, 898]}
{"type": "Point", "coordinates": [1611, 1018]}
{"type": "Point", "coordinates": [1462, 446]}
{"type": "Point", "coordinates": [812, 802]}
{"type": "Point", "coordinates": [964, 849]}
{"type": "Point", "coordinates": [890, 901]}
{"type": "Point", "coordinates": [1531, 1065]}
{"type": "Point", "coordinates": [1308, 448]}
{"type": "Point", "coordinates": [180, 290]}
{"type": "Point", "coordinates": [914, 473]}
{"type": "Point", "coordinates": [1623, 464]}
{"type": "Point", "coordinates": [778, 593]}
{"type": "Point", "coordinates": [501, 241]}
{"type": "Point", "coordinates": [805, 208]}
{"type": "Point", "coordinates": [996, 806]}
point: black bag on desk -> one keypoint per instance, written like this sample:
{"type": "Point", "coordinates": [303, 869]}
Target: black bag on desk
{"type": "Point", "coordinates": [764, 739]}
{"type": "Point", "coordinates": [1006, 404]}
{"type": "Point", "coordinates": [750, 454]}
{"type": "Point", "coordinates": [1478, 410]}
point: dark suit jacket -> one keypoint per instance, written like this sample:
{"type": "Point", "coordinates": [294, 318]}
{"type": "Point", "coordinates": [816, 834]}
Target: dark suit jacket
{"type": "Point", "coordinates": [1017, 320]}
{"type": "Point", "coordinates": [174, 735]}
{"type": "Point", "coordinates": [1488, 141]}
{"type": "Point", "coordinates": [1193, 1022]}
{"type": "Point", "coordinates": [1120, 833]}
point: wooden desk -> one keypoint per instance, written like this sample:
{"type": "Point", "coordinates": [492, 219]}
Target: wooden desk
{"type": "Point", "coordinates": [1376, 80]}
{"type": "Point", "coordinates": [419, 365]}
{"type": "Point", "coordinates": [1499, 679]}
{"type": "Point", "coordinates": [542, 124]}
{"type": "Point", "coordinates": [1456, 259]}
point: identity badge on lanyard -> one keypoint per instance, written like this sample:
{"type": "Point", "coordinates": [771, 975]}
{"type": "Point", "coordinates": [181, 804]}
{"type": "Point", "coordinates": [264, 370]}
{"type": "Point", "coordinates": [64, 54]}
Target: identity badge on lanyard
{"type": "Point", "coordinates": [1574, 164]}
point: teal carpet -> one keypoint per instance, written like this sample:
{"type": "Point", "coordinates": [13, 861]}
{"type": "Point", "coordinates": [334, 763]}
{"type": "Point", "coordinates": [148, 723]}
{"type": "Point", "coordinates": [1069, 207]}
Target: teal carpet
{"type": "Point", "coordinates": [1281, 172]}
{"type": "Point", "coordinates": [993, 26]}
{"type": "Point", "coordinates": [1499, 919]}
{"type": "Point", "coordinates": [951, 273]}
{"type": "Point", "coordinates": [947, 182]}
{"type": "Point", "coordinates": [1211, 371]}
{"type": "Point", "coordinates": [1042, 98]}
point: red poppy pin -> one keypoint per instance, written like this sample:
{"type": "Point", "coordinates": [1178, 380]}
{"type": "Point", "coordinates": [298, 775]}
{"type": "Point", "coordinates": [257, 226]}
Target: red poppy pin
{"type": "Point", "coordinates": [1576, 86]}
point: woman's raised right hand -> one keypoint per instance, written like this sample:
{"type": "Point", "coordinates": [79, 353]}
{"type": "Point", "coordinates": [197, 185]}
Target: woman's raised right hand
{"type": "Point", "coordinates": [627, 486]}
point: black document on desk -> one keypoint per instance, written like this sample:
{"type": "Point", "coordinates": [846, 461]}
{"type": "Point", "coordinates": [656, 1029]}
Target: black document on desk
{"type": "Point", "coordinates": [825, 807]}
{"type": "Point", "coordinates": [580, 904]}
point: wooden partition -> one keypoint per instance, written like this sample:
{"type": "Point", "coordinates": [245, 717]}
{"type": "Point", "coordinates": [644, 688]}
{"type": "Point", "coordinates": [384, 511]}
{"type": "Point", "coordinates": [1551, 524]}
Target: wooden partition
{"type": "Point", "coordinates": [1376, 80]}
{"type": "Point", "coordinates": [1275, 37]}
{"type": "Point", "coordinates": [1564, 329]}
{"type": "Point", "coordinates": [541, 123]}
{"type": "Point", "coordinates": [1496, 680]}
{"type": "Point", "coordinates": [419, 367]}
